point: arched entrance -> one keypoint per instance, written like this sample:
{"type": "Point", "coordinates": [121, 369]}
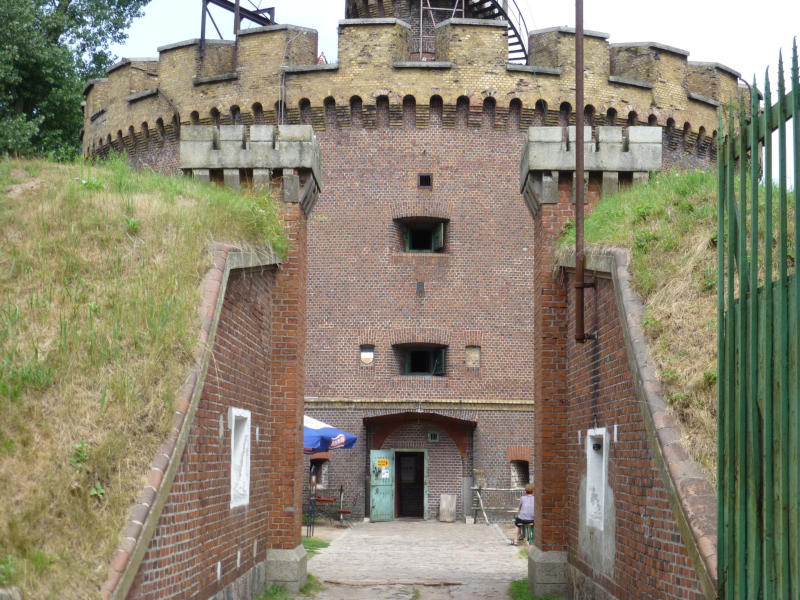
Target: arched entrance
{"type": "Point", "coordinates": [414, 459]}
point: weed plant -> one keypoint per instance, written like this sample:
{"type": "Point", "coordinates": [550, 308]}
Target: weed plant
{"type": "Point", "coordinates": [669, 226]}
{"type": "Point", "coordinates": [99, 290]}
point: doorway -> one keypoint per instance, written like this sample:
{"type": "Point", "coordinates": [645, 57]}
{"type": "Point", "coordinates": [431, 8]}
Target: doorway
{"type": "Point", "coordinates": [410, 482]}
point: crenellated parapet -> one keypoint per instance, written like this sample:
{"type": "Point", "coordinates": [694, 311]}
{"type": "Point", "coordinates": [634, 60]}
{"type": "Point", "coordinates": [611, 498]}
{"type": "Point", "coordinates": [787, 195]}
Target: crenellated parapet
{"type": "Point", "coordinates": [270, 75]}
{"type": "Point", "coordinates": [612, 156]}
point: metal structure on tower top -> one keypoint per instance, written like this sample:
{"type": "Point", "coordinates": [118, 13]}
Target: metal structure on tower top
{"type": "Point", "coordinates": [500, 10]}
{"type": "Point", "coordinates": [259, 16]}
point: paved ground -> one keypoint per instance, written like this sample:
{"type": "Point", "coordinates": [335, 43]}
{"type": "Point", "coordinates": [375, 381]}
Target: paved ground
{"type": "Point", "coordinates": [412, 559]}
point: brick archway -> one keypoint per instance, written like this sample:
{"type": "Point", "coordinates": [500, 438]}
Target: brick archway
{"type": "Point", "coordinates": [458, 429]}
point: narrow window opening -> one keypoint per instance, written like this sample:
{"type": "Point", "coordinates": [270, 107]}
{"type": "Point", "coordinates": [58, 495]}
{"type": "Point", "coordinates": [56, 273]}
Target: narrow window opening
{"type": "Point", "coordinates": [320, 473]}
{"type": "Point", "coordinates": [367, 353]}
{"type": "Point", "coordinates": [425, 180]}
{"type": "Point", "coordinates": [239, 422]}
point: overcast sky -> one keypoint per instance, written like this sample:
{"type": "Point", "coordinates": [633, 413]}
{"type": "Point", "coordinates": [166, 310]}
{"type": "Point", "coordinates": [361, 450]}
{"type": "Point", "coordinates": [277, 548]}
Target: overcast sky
{"type": "Point", "coordinates": [745, 36]}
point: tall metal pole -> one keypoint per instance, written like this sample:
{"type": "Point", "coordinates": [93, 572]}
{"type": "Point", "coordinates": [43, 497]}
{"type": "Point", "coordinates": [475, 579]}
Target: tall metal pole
{"type": "Point", "coordinates": [236, 18]}
{"type": "Point", "coordinates": [580, 330]}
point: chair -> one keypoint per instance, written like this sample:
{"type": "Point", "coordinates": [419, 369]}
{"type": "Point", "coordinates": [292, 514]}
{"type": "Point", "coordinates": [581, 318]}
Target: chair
{"type": "Point", "coordinates": [528, 533]}
{"type": "Point", "coordinates": [346, 512]}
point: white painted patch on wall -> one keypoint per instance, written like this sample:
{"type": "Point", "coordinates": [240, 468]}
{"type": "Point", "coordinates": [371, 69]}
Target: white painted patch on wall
{"type": "Point", "coordinates": [615, 433]}
{"type": "Point", "coordinates": [258, 429]}
{"type": "Point", "coordinates": [596, 476]}
{"type": "Point", "coordinates": [238, 558]}
{"type": "Point", "coordinates": [219, 570]}
{"type": "Point", "coordinates": [239, 423]}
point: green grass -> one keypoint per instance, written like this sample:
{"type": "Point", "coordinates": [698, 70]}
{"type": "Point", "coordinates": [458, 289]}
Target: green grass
{"type": "Point", "coordinates": [518, 590]}
{"type": "Point", "coordinates": [99, 274]}
{"type": "Point", "coordinates": [669, 226]}
{"type": "Point", "coordinates": [310, 589]}
{"type": "Point", "coordinates": [314, 545]}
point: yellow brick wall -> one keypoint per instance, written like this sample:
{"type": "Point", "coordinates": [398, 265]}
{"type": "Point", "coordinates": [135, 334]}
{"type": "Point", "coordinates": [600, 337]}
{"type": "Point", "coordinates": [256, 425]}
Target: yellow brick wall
{"type": "Point", "coordinates": [367, 57]}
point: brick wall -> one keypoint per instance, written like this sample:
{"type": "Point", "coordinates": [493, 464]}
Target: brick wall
{"type": "Point", "coordinates": [363, 286]}
{"type": "Point", "coordinates": [187, 83]}
{"type": "Point", "coordinates": [487, 459]}
{"type": "Point", "coordinates": [201, 545]}
{"type": "Point", "coordinates": [651, 560]}
{"type": "Point", "coordinates": [197, 528]}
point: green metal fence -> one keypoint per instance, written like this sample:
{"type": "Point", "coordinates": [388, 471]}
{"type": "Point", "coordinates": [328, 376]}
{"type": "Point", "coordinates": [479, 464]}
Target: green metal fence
{"type": "Point", "coordinates": [758, 349]}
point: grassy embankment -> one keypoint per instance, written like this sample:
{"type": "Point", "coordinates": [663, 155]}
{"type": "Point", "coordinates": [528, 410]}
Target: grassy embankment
{"type": "Point", "coordinates": [670, 227]}
{"type": "Point", "coordinates": [99, 274]}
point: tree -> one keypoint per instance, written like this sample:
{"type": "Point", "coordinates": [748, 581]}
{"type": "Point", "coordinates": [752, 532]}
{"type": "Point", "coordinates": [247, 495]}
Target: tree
{"type": "Point", "coordinates": [48, 50]}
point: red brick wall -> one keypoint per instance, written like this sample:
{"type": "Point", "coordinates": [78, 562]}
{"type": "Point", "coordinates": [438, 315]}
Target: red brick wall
{"type": "Point", "coordinates": [257, 365]}
{"type": "Point", "coordinates": [487, 458]}
{"type": "Point", "coordinates": [651, 560]}
{"type": "Point", "coordinates": [554, 335]}
{"type": "Point", "coordinates": [362, 286]}
{"type": "Point", "coordinates": [197, 527]}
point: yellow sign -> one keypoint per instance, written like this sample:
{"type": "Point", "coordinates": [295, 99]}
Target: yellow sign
{"type": "Point", "coordinates": [383, 462]}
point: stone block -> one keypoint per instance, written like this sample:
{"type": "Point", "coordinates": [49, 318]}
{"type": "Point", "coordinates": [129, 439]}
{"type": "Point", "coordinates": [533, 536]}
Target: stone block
{"type": "Point", "coordinates": [447, 508]}
{"type": "Point", "coordinates": [261, 178]}
{"type": "Point", "coordinates": [295, 133]}
{"type": "Point", "coordinates": [262, 133]}
{"type": "Point", "coordinates": [287, 568]}
{"type": "Point", "coordinates": [610, 183]}
{"type": "Point", "coordinates": [547, 572]}
{"type": "Point", "coordinates": [572, 133]}
{"type": "Point", "coordinates": [201, 175]}
{"type": "Point", "coordinates": [545, 134]}
{"type": "Point", "coordinates": [231, 133]}
{"type": "Point", "coordinates": [644, 135]}
{"type": "Point", "coordinates": [232, 179]}
{"type": "Point", "coordinates": [197, 133]}
{"type": "Point", "coordinates": [609, 134]}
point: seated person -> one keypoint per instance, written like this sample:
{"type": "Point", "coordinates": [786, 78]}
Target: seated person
{"type": "Point", "coordinates": [524, 512]}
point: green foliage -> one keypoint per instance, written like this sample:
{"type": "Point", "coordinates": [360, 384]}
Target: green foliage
{"type": "Point", "coordinates": [709, 378]}
{"type": "Point", "coordinates": [79, 456]}
{"type": "Point", "coordinates": [314, 545]}
{"type": "Point", "coordinates": [41, 561]}
{"type": "Point", "coordinates": [275, 592]}
{"type": "Point", "coordinates": [48, 50]}
{"type": "Point", "coordinates": [669, 375]}
{"type": "Point", "coordinates": [7, 570]}
{"type": "Point", "coordinates": [132, 225]}
{"type": "Point", "coordinates": [678, 398]}
{"type": "Point", "coordinates": [97, 491]}
{"type": "Point", "coordinates": [518, 590]}
{"type": "Point", "coordinates": [312, 586]}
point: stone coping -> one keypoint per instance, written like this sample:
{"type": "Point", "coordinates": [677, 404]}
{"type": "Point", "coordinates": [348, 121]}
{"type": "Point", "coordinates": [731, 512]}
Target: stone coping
{"type": "Point", "coordinates": [654, 45]}
{"type": "Point", "coordinates": [693, 499]}
{"type": "Point", "coordinates": [715, 65]}
{"type": "Point", "coordinates": [705, 99]}
{"type": "Point", "coordinates": [564, 29]}
{"type": "Point", "coordinates": [91, 83]}
{"type": "Point", "coordinates": [422, 64]}
{"type": "Point", "coordinates": [629, 81]}
{"type": "Point", "coordinates": [276, 27]}
{"type": "Point", "coordinates": [309, 68]}
{"type": "Point", "coordinates": [194, 42]}
{"type": "Point", "coordinates": [473, 22]}
{"type": "Point", "coordinates": [143, 518]}
{"type": "Point", "coordinates": [141, 95]}
{"type": "Point", "coordinates": [127, 61]}
{"type": "Point", "coordinates": [380, 21]}
{"type": "Point", "coordinates": [215, 78]}
{"type": "Point", "coordinates": [441, 403]}
{"type": "Point", "coordinates": [534, 69]}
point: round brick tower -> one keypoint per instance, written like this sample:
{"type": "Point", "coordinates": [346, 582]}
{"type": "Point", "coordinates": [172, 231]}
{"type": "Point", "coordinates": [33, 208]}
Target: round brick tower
{"type": "Point", "coordinates": [420, 316]}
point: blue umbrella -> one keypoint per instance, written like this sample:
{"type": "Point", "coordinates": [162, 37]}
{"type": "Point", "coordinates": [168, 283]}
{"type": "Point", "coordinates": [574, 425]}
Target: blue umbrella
{"type": "Point", "coordinates": [319, 436]}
